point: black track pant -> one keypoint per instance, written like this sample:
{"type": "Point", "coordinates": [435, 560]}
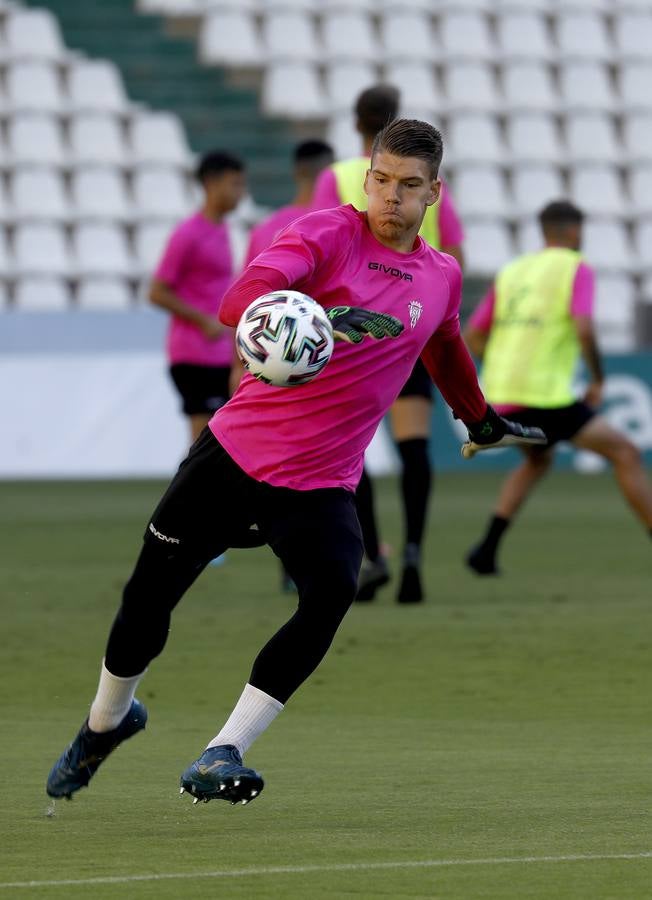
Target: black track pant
{"type": "Point", "coordinates": [211, 505]}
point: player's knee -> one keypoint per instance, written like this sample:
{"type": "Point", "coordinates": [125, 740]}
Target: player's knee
{"type": "Point", "coordinates": [625, 454]}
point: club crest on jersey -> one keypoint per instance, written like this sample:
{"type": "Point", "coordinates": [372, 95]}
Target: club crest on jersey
{"type": "Point", "coordinates": [415, 309]}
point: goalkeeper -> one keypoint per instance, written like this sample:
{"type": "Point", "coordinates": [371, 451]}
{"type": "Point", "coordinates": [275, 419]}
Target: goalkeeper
{"type": "Point", "coordinates": [280, 466]}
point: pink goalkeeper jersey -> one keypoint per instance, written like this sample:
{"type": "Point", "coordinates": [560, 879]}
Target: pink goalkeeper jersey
{"type": "Point", "coordinates": [198, 267]}
{"type": "Point", "coordinates": [266, 231]}
{"type": "Point", "coordinates": [315, 435]}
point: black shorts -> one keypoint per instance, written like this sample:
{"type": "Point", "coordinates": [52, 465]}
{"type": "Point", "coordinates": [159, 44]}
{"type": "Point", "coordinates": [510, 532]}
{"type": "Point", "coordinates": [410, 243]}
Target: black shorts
{"type": "Point", "coordinates": [419, 384]}
{"type": "Point", "coordinates": [560, 424]}
{"type": "Point", "coordinates": [203, 389]}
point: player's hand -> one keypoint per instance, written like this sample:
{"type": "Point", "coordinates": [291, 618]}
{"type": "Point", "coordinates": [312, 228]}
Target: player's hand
{"type": "Point", "coordinates": [593, 394]}
{"type": "Point", "coordinates": [211, 327]}
{"type": "Point", "coordinates": [352, 324]}
{"type": "Point", "coordinates": [494, 431]}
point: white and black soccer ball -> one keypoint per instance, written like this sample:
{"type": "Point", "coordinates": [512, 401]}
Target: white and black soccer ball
{"type": "Point", "coordinates": [284, 338]}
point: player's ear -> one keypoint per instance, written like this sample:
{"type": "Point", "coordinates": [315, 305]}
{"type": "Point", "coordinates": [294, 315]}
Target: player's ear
{"type": "Point", "coordinates": [435, 191]}
{"type": "Point", "coordinates": [366, 180]}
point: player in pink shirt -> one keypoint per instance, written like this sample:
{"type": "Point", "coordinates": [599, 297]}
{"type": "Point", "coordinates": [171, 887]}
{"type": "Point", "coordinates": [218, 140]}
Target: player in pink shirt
{"type": "Point", "coordinates": [280, 465]}
{"type": "Point", "coordinates": [190, 281]}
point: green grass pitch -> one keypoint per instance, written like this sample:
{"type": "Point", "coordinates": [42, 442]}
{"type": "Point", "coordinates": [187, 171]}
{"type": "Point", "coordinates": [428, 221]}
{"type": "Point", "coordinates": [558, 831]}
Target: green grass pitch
{"type": "Point", "coordinates": [495, 742]}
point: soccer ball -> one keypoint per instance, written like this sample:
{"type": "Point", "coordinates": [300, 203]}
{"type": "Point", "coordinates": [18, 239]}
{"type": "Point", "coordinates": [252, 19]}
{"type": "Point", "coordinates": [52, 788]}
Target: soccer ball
{"type": "Point", "coordinates": [284, 338]}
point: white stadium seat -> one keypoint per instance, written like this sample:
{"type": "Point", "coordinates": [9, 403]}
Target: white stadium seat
{"type": "Point", "coordinates": [97, 138]}
{"type": "Point", "coordinates": [36, 293]}
{"type": "Point", "coordinates": [480, 191]}
{"type": "Point", "coordinates": [104, 293]}
{"type": "Point", "coordinates": [615, 312]}
{"type": "Point", "coordinates": [583, 35]}
{"type": "Point", "coordinates": [606, 246]}
{"type": "Point", "coordinates": [293, 89]}
{"type": "Point", "coordinates": [487, 246]}
{"type": "Point", "coordinates": [6, 264]}
{"type": "Point", "coordinates": [150, 239]}
{"type": "Point", "coordinates": [326, 7]}
{"type": "Point", "coordinates": [633, 33]}
{"type": "Point", "coordinates": [470, 85]}
{"type": "Point", "coordinates": [160, 193]}
{"type": "Point", "coordinates": [39, 194]}
{"type": "Point", "coordinates": [96, 85]}
{"type": "Point", "coordinates": [349, 36]}
{"type": "Point", "coordinates": [291, 36]}
{"type": "Point", "coordinates": [345, 80]}
{"type": "Point", "coordinates": [528, 237]}
{"type": "Point", "coordinates": [230, 38]}
{"type": "Point", "coordinates": [405, 5]}
{"type": "Point", "coordinates": [637, 135]}
{"type": "Point", "coordinates": [474, 137]}
{"type": "Point", "coordinates": [101, 248]}
{"type": "Point", "coordinates": [634, 81]}
{"type": "Point", "coordinates": [406, 36]}
{"type": "Point", "coordinates": [100, 193]}
{"type": "Point", "coordinates": [33, 34]}
{"type": "Point", "coordinates": [533, 186]}
{"type": "Point", "coordinates": [586, 85]}
{"type": "Point", "coordinates": [36, 138]}
{"type": "Point", "coordinates": [533, 137]}
{"type": "Point", "coordinates": [591, 137]}
{"type": "Point", "coordinates": [528, 86]}
{"type": "Point", "coordinates": [273, 6]}
{"type": "Point", "coordinates": [41, 248]}
{"type": "Point", "coordinates": [465, 35]}
{"type": "Point", "coordinates": [598, 190]}
{"type": "Point", "coordinates": [159, 137]}
{"type": "Point", "coordinates": [33, 85]}
{"type": "Point", "coordinates": [418, 85]}
{"type": "Point", "coordinates": [523, 35]}
{"type": "Point", "coordinates": [640, 190]}
{"type": "Point", "coordinates": [343, 137]}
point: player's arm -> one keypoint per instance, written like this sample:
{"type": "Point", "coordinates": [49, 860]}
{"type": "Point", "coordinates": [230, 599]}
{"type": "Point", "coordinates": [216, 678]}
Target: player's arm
{"type": "Point", "coordinates": [161, 295]}
{"type": "Point", "coordinates": [478, 328]}
{"type": "Point", "coordinates": [582, 312]}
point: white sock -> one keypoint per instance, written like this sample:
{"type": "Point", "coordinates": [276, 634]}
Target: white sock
{"type": "Point", "coordinates": [112, 701]}
{"type": "Point", "coordinates": [253, 712]}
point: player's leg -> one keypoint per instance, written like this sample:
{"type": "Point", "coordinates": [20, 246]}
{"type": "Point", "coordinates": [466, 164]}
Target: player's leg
{"type": "Point", "coordinates": [317, 536]}
{"type": "Point", "coordinates": [411, 416]}
{"type": "Point", "coordinates": [602, 438]}
{"type": "Point", "coordinates": [202, 389]}
{"type": "Point", "coordinates": [182, 536]}
{"type": "Point", "coordinates": [374, 572]}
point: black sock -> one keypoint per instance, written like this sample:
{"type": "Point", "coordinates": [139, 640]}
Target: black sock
{"type": "Point", "coordinates": [416, 480]}
{"type": "Point", "coordinates": [364, 502]}
{"type": "Point", "coordinates": [497, 527]}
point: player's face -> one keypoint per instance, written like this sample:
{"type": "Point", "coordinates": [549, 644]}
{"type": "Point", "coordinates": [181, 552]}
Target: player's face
{"type": "Point", "coordinates": [399, 190]}
{"type": "Point", "coordinates": [226, 190]}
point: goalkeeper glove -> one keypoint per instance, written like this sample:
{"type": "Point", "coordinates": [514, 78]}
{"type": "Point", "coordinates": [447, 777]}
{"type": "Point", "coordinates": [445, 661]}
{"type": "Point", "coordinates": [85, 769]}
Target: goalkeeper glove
{"type": "Point", "coordinates": [494, 431]}
{"type": "Point", "coordinates": [351, 323]}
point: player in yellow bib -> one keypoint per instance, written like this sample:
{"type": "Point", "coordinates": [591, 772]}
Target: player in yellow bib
{"type": "Point", "coordinates": [531, 330]}
{"type": "Point", "coordinates": [341, 183]}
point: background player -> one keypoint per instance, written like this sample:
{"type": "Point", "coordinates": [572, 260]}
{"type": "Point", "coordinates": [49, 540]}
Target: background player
{"type": "Point", "coordinates": [530, 329]}
{"type": "Point", "coordinates": [288, 461]}
{"type": "Point", "coordinates": [412, 412]}
{"type": "Point", "coordinates": [190, 281]}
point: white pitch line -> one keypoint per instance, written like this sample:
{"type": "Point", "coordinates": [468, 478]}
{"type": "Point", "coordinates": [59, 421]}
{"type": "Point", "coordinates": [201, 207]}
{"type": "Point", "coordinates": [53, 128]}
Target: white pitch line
{"type": "Point", "coordinates": [335, 867]}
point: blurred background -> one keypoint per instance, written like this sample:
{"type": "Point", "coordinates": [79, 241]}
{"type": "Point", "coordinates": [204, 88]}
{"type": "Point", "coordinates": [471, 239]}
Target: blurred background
{"type": "Point", "coordinates": [104, 108]}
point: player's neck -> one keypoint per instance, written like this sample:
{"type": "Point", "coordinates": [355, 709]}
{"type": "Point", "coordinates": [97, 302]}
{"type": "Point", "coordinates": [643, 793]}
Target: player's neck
{"type": "Point", "coordinates": [303, 196]}
{"type": "Point", "coordinates": [212, 212]}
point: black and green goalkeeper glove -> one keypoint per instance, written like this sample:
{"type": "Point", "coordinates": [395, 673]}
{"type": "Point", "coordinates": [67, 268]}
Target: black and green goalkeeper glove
{"type": "Point", "coordinates": [352, 323]}
{"type": "Point", "coordinates": [494, 431]}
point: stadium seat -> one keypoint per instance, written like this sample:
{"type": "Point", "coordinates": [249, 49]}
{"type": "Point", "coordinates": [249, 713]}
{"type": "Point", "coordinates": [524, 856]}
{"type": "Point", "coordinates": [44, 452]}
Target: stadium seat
{"type": "Point", "coordinates": [293, 89]}
{"type": "Point", "coordinates": [528, 86]}
{"type": "Point", "coordinates": [33, 85]}
{"type": "Point", "coordinates": [345, 80]}
{"type": "Point", "coordinates": [583, 35]}
{"type": "Point", "coordinates": [470, 86]}
{"type": "Point", "coordinates": [405, 5]}
{"type": "Point", "coordinates": [32, 34]}
{"type": "Point", "coordinates": [598, 190]}
{"type": "Point", "coordinates": [634, 81]}
{"type": "Point", "coordinates": [528, 237]}
{"type": "Point", "coordinates": [591, 137]}
{"type": "Point", "coordinates": [291, 36]}
{"type": "Point", "coordinates": [150, 239]}
{"type": "Point", "coordinates": [158, 137]}
{"type": "Point", "coordinates": [349, 36]}
{"type": "Point", "coordinates": [39, 194]}
{"type": "Point", "coordinates": [465, 35]}
{"type": "Point", "coordinates": [273, 6]}
{"type": "Point", "coordinates": [343, 137]}
{"type": "Point", "coordinates": [406, 36]}
{"type": "Point", "coordinates": [160, 193]}
{"type": "Point", "coordinates": [35, 138]}
{"type": "Point", "coordinates": [104, 294]}
{"type": "Point", "coordinates": [101, 248]}
{"type": "Point", "coordinates": [633, 34]}
{"type": "Point", "coordinates": [6, 264]}
{"type": "Point", "coordinates": [480, 191]}
{"type": "Point", "coordinates": [474, 137]}
{"type": "Point", "coordinates": [35, 293]}
{"type": "Point", "coordinates": [487, 246]}
{"type": "Point", "coordinates": [606, 246]}
{"type": "Point", "coordinates": [637, 134]}
{"type": "Point", "coordinates": [640, 190]}
{"type": "Point", "coordinates": [230, 38]}
{"type": "Point", "coordinates": [586, 85]}
{"type": "Point", "coordinates": [326, 7]}
{"type": "Point", "coordinates": [533, 137]}
{"type": "Point", "coordinates": [100, 193]}
{"type": "Point", "coordinates": [418, 85]}
{"type": "Point", "coordinates": [523, 35]}
{"type": "Point", "coordinates": [615, 312]}
{"type": "Point", "coordinates": [172, 7]}
{"type": "Point", "coordinates": [97, 138]}
{"type": "Point", "coordinates": [96, 85]}
{"type": "Point", "coordinates": [41, 248]}
{"type": "Point", "coordinates": [533, 186]}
